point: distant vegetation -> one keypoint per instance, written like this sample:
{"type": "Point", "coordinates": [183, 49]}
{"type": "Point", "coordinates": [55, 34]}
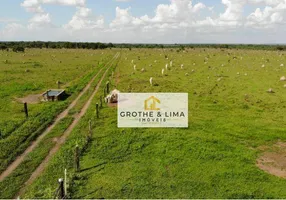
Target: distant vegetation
{"type": "Point", "coordinates": [89, 45]}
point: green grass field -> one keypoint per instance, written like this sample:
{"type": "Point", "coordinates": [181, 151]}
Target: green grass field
{"type": "Point", "coordinates": [231, 115]}
{"type": "Point", "coordinates": [32, 73]}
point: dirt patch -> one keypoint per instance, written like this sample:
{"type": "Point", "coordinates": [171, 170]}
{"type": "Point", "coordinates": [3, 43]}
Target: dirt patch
{"type": "Point", "coordinates": [56, 139]}
{"type": "Point", "coordinates": [273, 160]}
{"type": "Point", "coordinates": [30, 99]}
{"type": "Point", "coordinates": [112, 105]}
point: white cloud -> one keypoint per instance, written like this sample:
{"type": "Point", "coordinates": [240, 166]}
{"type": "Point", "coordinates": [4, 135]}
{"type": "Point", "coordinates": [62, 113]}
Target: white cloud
{"type": "Point", "coordinates": [35, 3]}
{"type": "Point", "coordinates": [276, 18]}
{"type": "Point", "coordinates": [83, 19]}
{"type": "Point", "coordinates": [40, 20]}
{"type": "Point", "coordinates": [274, 13]}
{"type": "Point", "coordinates": [124, 19]}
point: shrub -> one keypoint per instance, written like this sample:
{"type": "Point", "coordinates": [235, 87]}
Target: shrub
{"type": "Point", "coordinates": [18, 49]}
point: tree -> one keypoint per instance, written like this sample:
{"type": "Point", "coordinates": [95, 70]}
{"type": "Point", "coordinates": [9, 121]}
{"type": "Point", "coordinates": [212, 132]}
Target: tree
{"type": "Point", "coordinates": [110, 45]}
{"type": "Point", "coordinates": [18, 49]}
{"type": "Point", "coordinates": [3, 47]}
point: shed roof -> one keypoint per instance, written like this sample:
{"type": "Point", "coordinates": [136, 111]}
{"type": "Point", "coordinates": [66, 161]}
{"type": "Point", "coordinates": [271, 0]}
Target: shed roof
{"type": "Point", "coordinates": [53, 92]}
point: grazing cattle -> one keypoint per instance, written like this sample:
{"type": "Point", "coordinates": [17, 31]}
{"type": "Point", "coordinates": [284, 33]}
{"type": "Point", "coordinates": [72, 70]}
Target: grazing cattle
{"type": "Point", "coordinates": [151, 81]}
{"type": "Point", "coordinates": [270, 90]}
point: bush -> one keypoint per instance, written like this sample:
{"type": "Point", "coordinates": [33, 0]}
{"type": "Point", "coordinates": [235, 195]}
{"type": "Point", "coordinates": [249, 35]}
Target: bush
{"type": "Point", "coordinates": [3, 47]}
{"type": "Point", "coordinates": [18, 49]}
{"type": "Point", "coordinates": [280, 48]}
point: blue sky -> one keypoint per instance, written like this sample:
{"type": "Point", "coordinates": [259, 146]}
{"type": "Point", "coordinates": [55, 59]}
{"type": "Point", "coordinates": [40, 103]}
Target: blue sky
{"type": "Point", "coordinates": [155, 21]}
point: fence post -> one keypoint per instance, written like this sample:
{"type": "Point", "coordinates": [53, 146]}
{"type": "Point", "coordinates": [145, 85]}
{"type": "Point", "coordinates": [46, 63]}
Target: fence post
{"type": "Point", "coordinates": [59, 84]}
{"type": "Point", "coordinates": [61, 189]}
{"type": "Point", "coordinates": [89, 130]}
{"type": "Point", "coordinates": [104, 93]}
{"type": "Point", "coordinates": [76, 158]}
{"type": "Point", "coordinates": [97, 110]}
{"type": "Point", "coordinates": [107, 87]}
{"type": "Point", "coordinates": [26, 110]}
{"type": "Point", "coordinates": [66, 188]}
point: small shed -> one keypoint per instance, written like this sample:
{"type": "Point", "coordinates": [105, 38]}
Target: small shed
{"type": "Point", "coordinates": [54, 95]}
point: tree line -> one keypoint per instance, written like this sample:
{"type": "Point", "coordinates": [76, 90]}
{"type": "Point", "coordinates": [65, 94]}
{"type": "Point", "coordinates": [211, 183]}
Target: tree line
{"type": "Point", "coordinates": [21, 46]}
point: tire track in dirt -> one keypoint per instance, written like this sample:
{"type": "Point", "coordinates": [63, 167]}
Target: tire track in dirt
{"type": "Point", "coordinates": [35, 143]}
{"type": "Point", "coordinates": [65, 135]}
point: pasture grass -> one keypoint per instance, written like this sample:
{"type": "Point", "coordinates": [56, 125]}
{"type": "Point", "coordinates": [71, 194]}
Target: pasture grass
{"type": "Point", "coordinates": [64, 159]}
{"type": "Point", "coordinates": [215, 157]}
{"type": "Point", "coordinates": [65, 65]}
{"type": "Point", "coordinates": [25, 169]}
{"type": "Point", "coordinates": [230, 115]}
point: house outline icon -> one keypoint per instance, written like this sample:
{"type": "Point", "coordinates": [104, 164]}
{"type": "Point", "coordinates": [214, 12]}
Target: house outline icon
{"type": "Point", "coordinates": [153, 104]}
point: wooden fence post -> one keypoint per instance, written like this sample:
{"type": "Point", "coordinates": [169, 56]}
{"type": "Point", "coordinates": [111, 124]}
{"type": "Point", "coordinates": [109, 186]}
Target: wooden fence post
{"type": "Point", "coordinates": [89, 130]}
{"type": "Point", "coordinates": [97, 110]}
{"type": "Point", "coordinates": [104, 93]}
{"type": "Point", "coordinates": [61, 189]}
{"type": "Point", "coordinates": [59, 84]}
{"type": "Point", "coordinates": [65, 181]}
{"type": "Point", "coordinates": [76, 158]}
{"type": "Point", "coordinates": [89, 134]}
{"type": "Point", "coordinates": [107, 87]}
{"type": "Point", "coordinates": [26, 110]}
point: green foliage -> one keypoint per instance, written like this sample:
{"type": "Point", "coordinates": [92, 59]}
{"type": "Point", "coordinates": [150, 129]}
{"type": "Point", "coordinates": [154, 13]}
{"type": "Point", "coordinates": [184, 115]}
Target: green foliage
{"type": "Point", "coordinates": [18, 49]}
{"type": "Point", "coordinates": [3, 47]}
{"type": "Point", "coordinates": [88, 45]}
{"type": "Point", "coordinates": [19, 46]}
